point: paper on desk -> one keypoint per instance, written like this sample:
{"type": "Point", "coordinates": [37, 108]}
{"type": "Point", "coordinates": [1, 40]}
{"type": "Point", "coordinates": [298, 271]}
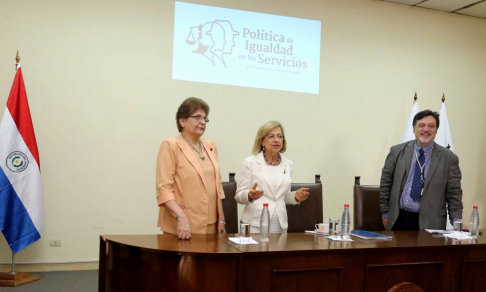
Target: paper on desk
{"type": "Point", "coordinates": [338, 238]}
{"type": "Point", "coordinates": [461, 236]}
{"type": "Point", "coordinates": [238, 241]}
{"type": "Point", "coordinates": [439, 231]}
{"type": "Point", "coordinates": [316, 232]}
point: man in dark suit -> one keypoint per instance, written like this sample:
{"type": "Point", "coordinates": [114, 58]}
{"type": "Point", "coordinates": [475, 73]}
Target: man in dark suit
{"type": "Point", "coordinates": [419, 178]}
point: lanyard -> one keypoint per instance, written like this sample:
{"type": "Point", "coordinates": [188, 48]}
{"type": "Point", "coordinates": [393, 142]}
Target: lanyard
{"type": "Point", "coordinates": [422, 167]}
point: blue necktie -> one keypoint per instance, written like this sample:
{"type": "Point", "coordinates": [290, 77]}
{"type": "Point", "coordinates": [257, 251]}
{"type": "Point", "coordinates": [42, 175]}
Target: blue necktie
{"type": "Point", "coordinates": [417, 185]}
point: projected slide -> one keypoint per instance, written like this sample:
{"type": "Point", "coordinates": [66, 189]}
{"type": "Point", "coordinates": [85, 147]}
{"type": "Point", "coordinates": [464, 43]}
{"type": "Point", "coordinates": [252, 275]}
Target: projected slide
{"type": "Point", "coordinates": [234, 47]}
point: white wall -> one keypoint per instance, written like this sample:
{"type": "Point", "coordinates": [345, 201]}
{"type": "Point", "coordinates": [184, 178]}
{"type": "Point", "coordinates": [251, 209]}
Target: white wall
{"type": "Point", "coordinates": [98, 78]}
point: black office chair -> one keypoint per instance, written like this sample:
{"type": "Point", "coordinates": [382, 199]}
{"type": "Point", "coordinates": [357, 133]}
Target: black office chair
{"type": "Point", "coordinates": [304, 216]}
{"type": "Point", "coordinates": [230, 207]}
{"type": "Point", "coordinates": [367, 215]}
{"type": "Point", "coordinates": [300, 217]}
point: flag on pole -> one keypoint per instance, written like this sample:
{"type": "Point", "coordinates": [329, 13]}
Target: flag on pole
{"type": "Point", "coordinates": [408, 133]}
{"type": "Point", "coordinates": [443, 137]}
{"type": "Point", "coordinates": [21, 214]}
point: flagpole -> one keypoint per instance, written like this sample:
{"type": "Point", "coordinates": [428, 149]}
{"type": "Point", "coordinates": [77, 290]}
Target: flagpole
{"type": "Point", "coordinates": [443, 97]}
{"type": "Point", "coordinates": [14, 279]}
{"type": "Point", "coordinates": [17, 64]}
{"type": "Point", "coordinates": [13, 264]}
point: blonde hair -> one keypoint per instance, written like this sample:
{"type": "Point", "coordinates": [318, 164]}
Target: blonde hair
{"type": "Point", "coordinates": [263, 132]}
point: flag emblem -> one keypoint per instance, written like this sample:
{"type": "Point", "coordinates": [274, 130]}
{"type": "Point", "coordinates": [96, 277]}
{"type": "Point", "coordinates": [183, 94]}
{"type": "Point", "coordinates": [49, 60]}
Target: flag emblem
{"type": "Point", "coordinates": [17, 161]}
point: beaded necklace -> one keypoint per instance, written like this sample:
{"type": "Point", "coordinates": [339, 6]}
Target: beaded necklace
{"type": "Point", "coordinates": [279, 159]}
{"type": "Point", "coordinates": [200, 153]}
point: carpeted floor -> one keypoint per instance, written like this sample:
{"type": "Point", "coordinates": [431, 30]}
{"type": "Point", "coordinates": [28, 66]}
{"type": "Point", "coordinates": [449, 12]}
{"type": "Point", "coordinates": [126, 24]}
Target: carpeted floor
{"type": "Point", "coordinates": [66, 281]}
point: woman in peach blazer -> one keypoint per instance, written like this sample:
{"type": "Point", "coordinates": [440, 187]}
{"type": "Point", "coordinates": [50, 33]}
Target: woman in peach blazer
{"type": "Point", "coordinates": [189, 188]}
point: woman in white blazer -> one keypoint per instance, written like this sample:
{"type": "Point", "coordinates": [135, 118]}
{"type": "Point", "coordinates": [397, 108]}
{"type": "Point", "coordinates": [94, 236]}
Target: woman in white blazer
{"type": "Point", "coordinates": [266, 177]}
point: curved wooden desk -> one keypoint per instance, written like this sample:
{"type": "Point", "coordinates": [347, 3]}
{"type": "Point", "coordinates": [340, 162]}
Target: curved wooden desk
{"type": "Point", "coordinates": [290, 262]}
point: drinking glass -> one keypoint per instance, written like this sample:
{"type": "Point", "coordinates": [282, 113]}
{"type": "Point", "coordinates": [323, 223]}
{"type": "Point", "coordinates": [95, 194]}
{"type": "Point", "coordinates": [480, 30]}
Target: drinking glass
{"type": "Point", "coordinates": [245, 231]}
{"type": "Point", "coordinates": [457, 226]}
{"type": "Point", "coordinates": [333, 226]}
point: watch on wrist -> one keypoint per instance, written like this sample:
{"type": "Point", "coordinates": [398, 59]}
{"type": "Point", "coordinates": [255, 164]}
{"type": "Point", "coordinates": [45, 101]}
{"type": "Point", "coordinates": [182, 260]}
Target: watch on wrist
{"type": "Point", "coordinates": [222, 222]}
{"type": "Point", "coordinates": [177, 217]}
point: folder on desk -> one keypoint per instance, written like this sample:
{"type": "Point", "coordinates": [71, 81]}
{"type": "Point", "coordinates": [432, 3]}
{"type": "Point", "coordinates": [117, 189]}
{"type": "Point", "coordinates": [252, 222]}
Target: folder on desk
{"type": "Point", "coordinates": [369, 235]}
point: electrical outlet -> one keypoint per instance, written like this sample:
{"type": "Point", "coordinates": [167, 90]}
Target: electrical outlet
{"type": "Point", "coordinates": [55, 242]}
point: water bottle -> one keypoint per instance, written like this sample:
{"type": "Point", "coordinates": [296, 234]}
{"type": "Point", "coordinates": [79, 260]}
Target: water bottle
{"type": "Point", "coordinates": [264, 224]}
{"type": "Point", "coordinates": [474, 223]}
{"type": "Point", "coordinates": [345, 219]}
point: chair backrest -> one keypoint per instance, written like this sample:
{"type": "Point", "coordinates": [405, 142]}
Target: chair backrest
{"type": "Point", "coordinates": [304, 216]}
{"type": "Point", "coordinates": [230, 207]}
{"type": "Point", "coordinates": [301, 217]}
{"type": "Point", "coordinates": [367, 215]}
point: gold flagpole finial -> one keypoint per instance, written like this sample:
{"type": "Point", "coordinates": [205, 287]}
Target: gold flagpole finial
{"type": "Point", "coordinates": [443, 97]}
{"type": "Point", "coordinates": [17, 59]}
{"type": "Point", "coordinates": [415, 97]}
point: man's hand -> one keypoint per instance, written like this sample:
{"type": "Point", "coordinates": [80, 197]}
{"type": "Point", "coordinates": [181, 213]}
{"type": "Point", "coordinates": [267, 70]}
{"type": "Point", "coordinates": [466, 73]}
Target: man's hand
{"type": "Point", "coordinates": [385, 223]}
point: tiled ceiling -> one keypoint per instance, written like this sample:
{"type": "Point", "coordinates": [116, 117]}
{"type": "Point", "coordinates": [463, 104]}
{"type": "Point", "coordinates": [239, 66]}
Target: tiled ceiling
{"type": "Point", "coordinates": [476, 8]}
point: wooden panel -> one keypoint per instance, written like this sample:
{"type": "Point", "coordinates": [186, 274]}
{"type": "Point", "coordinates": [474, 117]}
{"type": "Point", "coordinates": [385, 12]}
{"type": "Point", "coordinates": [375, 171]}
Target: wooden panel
{"type": "Point", "coordinates": [299, 280]}
{"type": "Point", "coordinates": [165, 263]}
{"type": "Point", "coordinates": [290, 262]}
{"type": "Point", "coordinates": [473, 275]}
{"type": "Point", "coordinates": [383, 277]}
{"type": "Point", "coordinates": [139, 270]}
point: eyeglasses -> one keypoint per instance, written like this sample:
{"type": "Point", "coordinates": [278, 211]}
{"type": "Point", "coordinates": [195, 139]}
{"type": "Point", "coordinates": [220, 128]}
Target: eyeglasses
{"type": "Point", "coordinates": [200, 118]}
{"type": "Point", "coordinates": [273, 137]}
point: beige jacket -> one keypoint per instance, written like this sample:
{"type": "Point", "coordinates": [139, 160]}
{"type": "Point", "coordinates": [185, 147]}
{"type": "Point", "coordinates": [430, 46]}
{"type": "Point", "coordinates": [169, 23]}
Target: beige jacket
{"type": "Point", "coordinates": [179, 177]}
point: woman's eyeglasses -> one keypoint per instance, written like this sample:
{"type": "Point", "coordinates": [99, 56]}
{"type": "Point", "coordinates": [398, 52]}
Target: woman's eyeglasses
{"type": "Point", "coordinates": [273, 137]}
{"type": "Point", "coordinates": [200, 118]}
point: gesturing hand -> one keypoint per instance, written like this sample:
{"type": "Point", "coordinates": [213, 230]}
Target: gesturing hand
{"type": "Point", "coordinates": [254, 194]}
{"type": "Point", "coordinates": [302, 194]}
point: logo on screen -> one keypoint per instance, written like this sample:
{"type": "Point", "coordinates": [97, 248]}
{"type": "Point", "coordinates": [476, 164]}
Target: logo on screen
{"type": "Point", "coordinates": [214, 40]}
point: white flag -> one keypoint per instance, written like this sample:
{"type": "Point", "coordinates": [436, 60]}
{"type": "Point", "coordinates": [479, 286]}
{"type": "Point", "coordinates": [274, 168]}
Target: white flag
{"type": "Point", "coordinates": [408, 134]}
{"type": "Point", "coordinates": [444, 137]}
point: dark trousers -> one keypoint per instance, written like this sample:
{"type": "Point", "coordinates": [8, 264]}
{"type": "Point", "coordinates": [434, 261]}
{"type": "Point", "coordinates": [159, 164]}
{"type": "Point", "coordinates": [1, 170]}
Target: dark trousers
{"type": "Point", "coordinates": [406, 221]}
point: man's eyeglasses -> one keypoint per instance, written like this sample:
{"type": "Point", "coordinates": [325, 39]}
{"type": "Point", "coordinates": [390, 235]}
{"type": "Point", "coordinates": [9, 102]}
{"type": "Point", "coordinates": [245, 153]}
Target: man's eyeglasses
{"type": "Point", "coordinates": [273, 137]}
{"type": "Point", "coordinates": [200, 118]}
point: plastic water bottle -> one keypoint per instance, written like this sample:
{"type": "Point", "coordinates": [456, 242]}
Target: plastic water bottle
{"type": "Point", "coordinates": [264, 224]}
{"type": "Point", "coordinates": [345, 219]}
{"type": "Point", "coordinates": [474, 223]}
